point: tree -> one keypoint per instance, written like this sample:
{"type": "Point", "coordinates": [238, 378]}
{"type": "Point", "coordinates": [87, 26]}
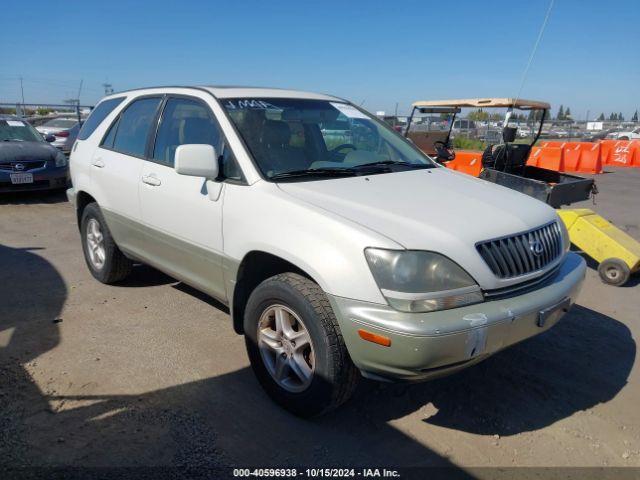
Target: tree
{"type": "Point", "coordinates": [478, 115]}
{"type": "Point", "coordinates": [601, 117]}
{"type": "Point", "coordinates": [635, 117]}
{"type": "Point", "coordinates": [613, 117]}
{"type": "Point", "coordinates": [621, 117]}
{"type": "Point", "coordinates": [567, 114]}
{"type": "Point", "coordinates": [560, 115]}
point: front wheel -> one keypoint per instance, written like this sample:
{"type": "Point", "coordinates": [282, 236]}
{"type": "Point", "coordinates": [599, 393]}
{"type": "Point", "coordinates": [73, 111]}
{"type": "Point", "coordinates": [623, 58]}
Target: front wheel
{"type": "Point", "coordinates": [614, 271]}
{"type": "Point", "coordinates": [105, 260]}
{"type": "Point", "coordinates": [295, 346]}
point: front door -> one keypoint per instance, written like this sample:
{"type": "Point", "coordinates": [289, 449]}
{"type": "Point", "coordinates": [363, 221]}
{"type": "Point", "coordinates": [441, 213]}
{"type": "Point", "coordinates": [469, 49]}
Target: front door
{"type": "Point", "coordinates": [184, 222]}
{"type": "Point", "coordinates": [116, 167]}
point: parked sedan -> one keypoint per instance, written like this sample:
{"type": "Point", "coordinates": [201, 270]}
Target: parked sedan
{"type": "Point", "coordinates": [625, 134]}
{"type": "Point", "coordinates": [27, 161]}
{"type": "Point", "coordinates": [65, 131]}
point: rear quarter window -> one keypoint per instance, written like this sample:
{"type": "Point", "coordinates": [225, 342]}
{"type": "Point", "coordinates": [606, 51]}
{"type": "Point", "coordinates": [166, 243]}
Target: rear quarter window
{"type": "Point", "coordinates": [97, 116]}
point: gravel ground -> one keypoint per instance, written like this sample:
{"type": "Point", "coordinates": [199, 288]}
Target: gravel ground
{"type": "Point", "coordinates": [150, 373]}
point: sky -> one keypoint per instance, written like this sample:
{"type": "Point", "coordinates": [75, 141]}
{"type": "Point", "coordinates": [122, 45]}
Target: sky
{"type": "Point", "coordinates": [374, 53]}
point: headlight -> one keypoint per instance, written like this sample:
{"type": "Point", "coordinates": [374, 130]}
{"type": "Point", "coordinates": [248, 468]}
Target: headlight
{"type": "Point", "coordinates": [61, 160]}
{"type": "Point", "coordinates": [416, 281]}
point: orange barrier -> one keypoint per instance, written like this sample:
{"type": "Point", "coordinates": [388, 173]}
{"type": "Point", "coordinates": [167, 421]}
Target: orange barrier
{"type": "Point", "coordinates": [551, 158]}
{"type": "Point", "coordinates": [583, 157]}
{"type": "Point", "coordinates": [620, 153]}
{"type": "Point", "coordinates": [635, 159]}
{"type": "Point", "coordinates": [466, 162]}
{"type": "Point", "coordinates": [552, 143]}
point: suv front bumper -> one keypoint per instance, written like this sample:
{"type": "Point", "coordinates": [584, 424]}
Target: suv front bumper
{"type": "Point", "coordinates": [428, 345]}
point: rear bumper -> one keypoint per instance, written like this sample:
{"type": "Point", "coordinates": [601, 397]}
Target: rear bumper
{"type": "Point", "coordinates": [47, 179]}
{"type": "Point", "coordinates": [428, 345]}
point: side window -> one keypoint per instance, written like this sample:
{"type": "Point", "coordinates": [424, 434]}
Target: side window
{"type": "Point", "coordinates": [97, 116]}
{"type": "Point", "coordinates": [230, 168]}
{"type": "Point", "coordinates": [134, 125]}
{"type": "Point", "coordinates": [111, 135]}
{"type": "Point", "coordinates": [184, 121]}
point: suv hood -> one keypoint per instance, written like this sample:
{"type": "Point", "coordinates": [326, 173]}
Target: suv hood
{"type": "Point", "coordinates": [435, 209]}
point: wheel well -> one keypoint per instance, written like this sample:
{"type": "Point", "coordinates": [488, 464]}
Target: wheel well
{"type": "Point", "coordinates": [82, 200]}
{"type": "Point", "coordinates": [254, 269]}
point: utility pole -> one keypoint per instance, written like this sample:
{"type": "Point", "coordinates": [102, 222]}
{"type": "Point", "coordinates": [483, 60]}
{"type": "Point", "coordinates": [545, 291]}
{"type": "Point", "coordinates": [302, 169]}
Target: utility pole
{"type": "Point", "coordinates": [396, 113]}
{"type": "Point", "coordinates": [108, 88]}
{"type": "Point", "coordinates": [22, 91]}
{"type": "Point", "coordinates": [78, 102]}
{"type": "Point", "coordinates": [79, 91]}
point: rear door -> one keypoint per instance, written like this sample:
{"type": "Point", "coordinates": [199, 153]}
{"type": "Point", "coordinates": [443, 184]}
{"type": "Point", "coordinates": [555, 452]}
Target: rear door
{"type": "Point", "coordinates": [116, 168]}
{"type": "Point", "coordinates": [184, 221]}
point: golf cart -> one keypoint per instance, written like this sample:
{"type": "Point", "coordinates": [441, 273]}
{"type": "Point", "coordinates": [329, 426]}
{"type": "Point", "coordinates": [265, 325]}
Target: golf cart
{"type": "Point", "coordinates": [505, 162]}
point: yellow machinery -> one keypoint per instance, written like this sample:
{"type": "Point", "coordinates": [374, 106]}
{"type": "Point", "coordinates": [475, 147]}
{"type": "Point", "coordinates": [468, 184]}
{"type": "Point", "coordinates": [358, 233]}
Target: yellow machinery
{"type": "Point", "coordinates": [616, 252]}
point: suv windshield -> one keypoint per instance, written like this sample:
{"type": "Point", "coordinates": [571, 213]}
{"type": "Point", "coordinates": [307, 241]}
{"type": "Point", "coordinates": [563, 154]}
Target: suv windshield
{"type": "Point", "coordinates": [18, 131]}
{"type": "Point", "coordinates": [293, 138]}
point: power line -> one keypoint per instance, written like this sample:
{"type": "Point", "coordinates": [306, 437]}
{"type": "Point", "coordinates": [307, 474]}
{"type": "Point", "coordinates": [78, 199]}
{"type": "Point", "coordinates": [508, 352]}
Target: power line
{"type": "Point", "coordinates": [535, 48]}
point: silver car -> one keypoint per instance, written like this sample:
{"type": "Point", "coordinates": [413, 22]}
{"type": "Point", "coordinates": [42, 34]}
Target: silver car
{"type": "Point", "coordinates": [65, 131]}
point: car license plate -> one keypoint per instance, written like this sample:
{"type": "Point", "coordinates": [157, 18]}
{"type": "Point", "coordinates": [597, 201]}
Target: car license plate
{"type": "Point", "coordinates": [554, 312]}
{"type": "Point", "coordinates": [17, 178]}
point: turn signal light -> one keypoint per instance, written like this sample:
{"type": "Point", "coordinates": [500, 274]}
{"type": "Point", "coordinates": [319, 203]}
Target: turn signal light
{"type": "Point", "coordinates": [374, 338]}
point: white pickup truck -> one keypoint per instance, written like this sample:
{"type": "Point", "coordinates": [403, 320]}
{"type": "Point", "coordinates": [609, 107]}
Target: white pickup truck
{"type": "Point", "coordinates": [340, 248]}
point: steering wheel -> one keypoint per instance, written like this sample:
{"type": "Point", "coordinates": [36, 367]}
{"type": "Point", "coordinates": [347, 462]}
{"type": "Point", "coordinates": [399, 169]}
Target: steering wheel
{"type": "Point", "coordinates": [344, 145]}
{"type": "Point", "coordinates": [444, 151]}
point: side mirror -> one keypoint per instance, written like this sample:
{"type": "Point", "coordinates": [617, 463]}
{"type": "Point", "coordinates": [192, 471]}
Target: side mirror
{"type": "Point", "coordinates": [197, 160]}
{"type": "Point", "coordinates": [509, 134]}
{"type": "Point", "coordinates": [50, 138]}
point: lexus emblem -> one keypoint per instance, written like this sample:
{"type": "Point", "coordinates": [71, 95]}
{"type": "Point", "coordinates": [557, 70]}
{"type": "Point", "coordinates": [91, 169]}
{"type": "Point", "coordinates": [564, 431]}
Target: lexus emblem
{"type": "Point", "coordinates": [536, 247]}
{"type": "Point", "coordinates": [19, 167]}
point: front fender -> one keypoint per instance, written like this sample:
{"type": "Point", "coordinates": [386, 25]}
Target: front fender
{"type": "Point", "coordinates": [329, 248]}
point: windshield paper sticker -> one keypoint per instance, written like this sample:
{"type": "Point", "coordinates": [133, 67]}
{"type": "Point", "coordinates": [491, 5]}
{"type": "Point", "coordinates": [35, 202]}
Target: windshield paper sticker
{"type": "Point", "coordinates": [15, 123]}
{"type": "Point", "coordinates": [349, 110]}
{"type": "Point", "coordinates": [248, 103]}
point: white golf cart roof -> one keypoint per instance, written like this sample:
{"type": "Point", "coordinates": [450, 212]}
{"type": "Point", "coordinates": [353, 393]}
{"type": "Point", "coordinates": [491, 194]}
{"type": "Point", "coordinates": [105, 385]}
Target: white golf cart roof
{"type": "Point", "coordinates": [519, 103]}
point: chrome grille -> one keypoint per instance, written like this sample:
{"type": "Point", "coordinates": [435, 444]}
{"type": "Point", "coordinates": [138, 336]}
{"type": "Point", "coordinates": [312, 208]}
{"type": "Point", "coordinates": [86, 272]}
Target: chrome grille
{"type": "Point", "coordinates": [25, 166]}
{"type": "Point", "coordinates": [522, 253]}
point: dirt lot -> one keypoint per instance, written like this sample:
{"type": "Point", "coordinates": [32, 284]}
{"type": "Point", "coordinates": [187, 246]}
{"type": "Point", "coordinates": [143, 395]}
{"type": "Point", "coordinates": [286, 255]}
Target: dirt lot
{"type": "Point", "coordinates": [150, 372]}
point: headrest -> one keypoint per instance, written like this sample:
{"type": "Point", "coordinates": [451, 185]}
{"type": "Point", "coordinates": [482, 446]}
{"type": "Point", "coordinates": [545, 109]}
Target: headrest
{"type": "Point", "coordinates": [276, 133]}
{"type": "Point", "coordinates": [196, 130]}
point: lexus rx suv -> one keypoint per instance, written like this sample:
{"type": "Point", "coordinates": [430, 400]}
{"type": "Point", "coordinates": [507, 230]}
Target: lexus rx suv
{"type": "Point", "coordinates": [338, 255]}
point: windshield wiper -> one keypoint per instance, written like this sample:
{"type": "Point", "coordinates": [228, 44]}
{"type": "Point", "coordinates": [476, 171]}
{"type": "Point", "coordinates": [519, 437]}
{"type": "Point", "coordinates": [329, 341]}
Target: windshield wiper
{"type": "Point", "coordinates": [311, 172]}
{"type": "Point", "coordinates": [385, 163]}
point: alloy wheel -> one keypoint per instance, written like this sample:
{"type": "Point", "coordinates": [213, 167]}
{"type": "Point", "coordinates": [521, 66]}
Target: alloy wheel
{"type": "Point", "coordinates": [286, 348]}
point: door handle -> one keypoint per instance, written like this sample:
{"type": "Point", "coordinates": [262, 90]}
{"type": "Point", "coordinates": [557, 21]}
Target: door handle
{"type": "Point", "coordinates": [98, 163]}
{"type": "Point", "coordinates": [151, 180]}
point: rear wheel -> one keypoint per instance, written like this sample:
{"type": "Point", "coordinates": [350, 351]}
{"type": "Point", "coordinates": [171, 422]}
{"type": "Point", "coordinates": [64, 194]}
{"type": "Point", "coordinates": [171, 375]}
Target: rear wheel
{"type": "Point", "coordinates": [105, 260]}
{"type": "Point", "coordinates": [295, 346]}
{"type": "Point", "coordinates": [614, 271]}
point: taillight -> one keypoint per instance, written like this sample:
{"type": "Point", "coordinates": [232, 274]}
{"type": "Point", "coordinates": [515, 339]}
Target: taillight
{"type": "Point", "coordinates": [63, 133]}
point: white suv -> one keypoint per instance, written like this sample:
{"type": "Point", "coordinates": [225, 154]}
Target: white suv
{"type": "Point", "coordinates": [340, 248]}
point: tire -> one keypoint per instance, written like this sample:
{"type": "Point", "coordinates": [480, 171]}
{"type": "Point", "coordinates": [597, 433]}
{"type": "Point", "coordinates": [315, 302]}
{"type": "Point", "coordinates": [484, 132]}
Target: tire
{"type": "Point", "coordinates": [614, 271]}
{"type": "Point", "coordinates": [623, 138]}
{"type": "Point", "coordinates": [115, 266]}
{"type": "Point", "coordinates": [333, 378]}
